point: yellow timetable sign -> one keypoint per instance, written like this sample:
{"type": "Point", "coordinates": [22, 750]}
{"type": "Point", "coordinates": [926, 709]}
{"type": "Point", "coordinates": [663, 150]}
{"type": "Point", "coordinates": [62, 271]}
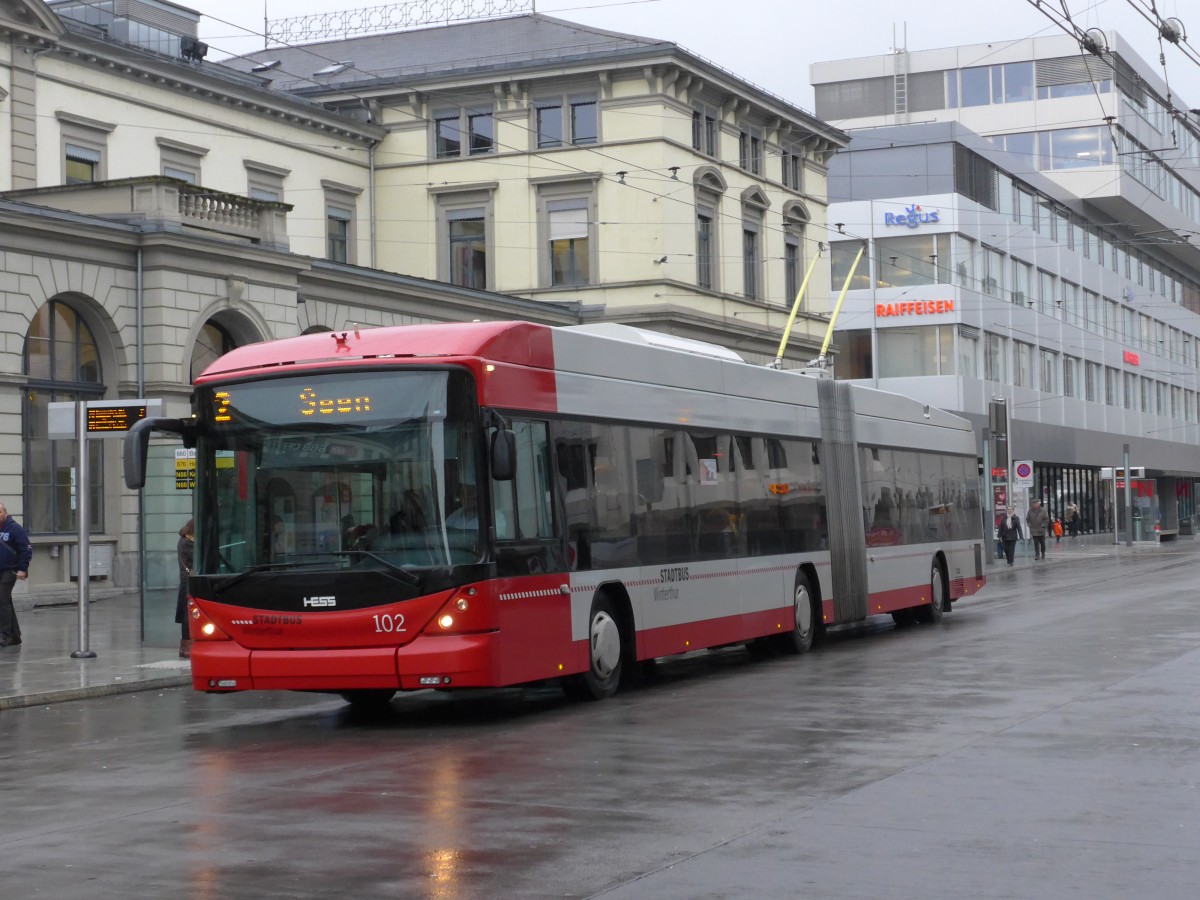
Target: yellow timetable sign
{"type": "Point", "coordinates": [185, 470]}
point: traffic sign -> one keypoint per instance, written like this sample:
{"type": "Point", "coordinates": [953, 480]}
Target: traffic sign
{"type": "Point", "coordinates": [1023, 473]}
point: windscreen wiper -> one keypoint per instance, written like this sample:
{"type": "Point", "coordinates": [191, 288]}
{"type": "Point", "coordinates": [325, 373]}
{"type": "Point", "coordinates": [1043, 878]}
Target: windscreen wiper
{"type": "Point", "coordinates": [225, 585]}
{"type": "Point", "coordinates": [401, 574]}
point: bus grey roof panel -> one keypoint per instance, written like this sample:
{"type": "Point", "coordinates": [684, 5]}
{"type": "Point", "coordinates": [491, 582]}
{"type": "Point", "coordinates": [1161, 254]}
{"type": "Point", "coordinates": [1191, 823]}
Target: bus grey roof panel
{"type": "Point", "coordinates": [620, 353]}
{"type": "Point", "coordinates": [898, 407]}
{"type": "Point", "coordinates": [592, 395]}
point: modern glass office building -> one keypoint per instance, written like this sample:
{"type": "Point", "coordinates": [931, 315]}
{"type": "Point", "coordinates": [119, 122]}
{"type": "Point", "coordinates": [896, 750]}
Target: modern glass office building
{"type": "Point", "coordinates": [1028, 215]}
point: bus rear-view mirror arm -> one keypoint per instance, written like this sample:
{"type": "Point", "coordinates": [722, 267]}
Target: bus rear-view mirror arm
{"type": "Point", "coordinates": [137, 442]}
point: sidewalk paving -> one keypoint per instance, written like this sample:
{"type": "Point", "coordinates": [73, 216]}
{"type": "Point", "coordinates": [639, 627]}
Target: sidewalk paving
{"type": "Point", "coordinates": [41, 670]}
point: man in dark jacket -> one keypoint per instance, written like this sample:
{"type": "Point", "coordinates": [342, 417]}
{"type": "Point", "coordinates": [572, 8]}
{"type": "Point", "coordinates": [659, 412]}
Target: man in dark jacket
{"type": "Point", "coordinates": [15, 553]}
{"type": "Point", "coordinates": [1038, 521]}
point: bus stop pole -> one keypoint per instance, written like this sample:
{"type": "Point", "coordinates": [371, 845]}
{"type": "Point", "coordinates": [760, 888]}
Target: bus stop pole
{"type": "Point", "coordinates": [1128, 497]}
{"type": "Point", "coordinates": [989, 515]}
{"type": "Point", "coordinates": [81, 508]}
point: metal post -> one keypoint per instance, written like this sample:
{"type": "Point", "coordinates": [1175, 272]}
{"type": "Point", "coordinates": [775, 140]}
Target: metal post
{"type": "Point", "coordinates": [1128, 497]}
{"type": "Point", "coordinates": [81, 509]}
{"type": "Point", "coordinates": [989, 513]}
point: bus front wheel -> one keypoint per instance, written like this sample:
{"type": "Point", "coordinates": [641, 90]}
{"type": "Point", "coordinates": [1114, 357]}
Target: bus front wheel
{"type": "Point", "coordinates": [606, 654]}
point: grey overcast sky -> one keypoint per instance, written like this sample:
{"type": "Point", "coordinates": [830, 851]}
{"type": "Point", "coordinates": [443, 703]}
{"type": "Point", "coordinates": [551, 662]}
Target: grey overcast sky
{"type": "Point", "coordinates": [772, 42]}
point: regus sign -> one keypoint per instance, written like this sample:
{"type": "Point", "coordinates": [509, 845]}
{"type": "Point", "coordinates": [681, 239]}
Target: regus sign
{"type": "Point", "coordinates": [912, 217]}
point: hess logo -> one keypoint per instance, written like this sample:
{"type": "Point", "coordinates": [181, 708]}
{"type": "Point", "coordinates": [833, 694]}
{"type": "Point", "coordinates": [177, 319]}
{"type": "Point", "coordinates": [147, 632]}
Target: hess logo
{"type": "Point", "coordinates": [312, 602]}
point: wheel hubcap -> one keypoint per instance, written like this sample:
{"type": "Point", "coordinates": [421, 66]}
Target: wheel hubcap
{"type": "Point", "coordinates": [935, 589]}
{"type": "Point", "coordinates": [606, 645]}
{"type": "Point", "coordinates": [803, 613]}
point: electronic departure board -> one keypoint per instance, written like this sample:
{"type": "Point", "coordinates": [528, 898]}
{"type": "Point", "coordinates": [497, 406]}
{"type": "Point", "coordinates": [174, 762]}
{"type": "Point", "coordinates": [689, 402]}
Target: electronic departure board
{"type": "Point", "coordinates": [114, 418]}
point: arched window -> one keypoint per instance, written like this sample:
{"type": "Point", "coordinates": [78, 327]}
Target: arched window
{"type": "Point", "coordinates": [62, 364]}
{"type": "Point", "coordinates": [213, 341]}
{"type": "Point", "coordinates": [710, 186]}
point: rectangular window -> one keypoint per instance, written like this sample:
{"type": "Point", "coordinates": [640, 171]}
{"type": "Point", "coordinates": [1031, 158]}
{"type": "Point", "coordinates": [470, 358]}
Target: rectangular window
{"type": "Point", "coordinates": [481, 131]}
{"type": "Point", "coordinates": [1049, 380]}
{"type": "Point", "coordinates": [1130, 392]}
{"type": "Point", "coordinates": [584, 123]}
{"type": "Point", "coordinates": [993, 273]}
{"type": "Point", "coordinates": [1022, 364]}
{"type": "Point", "coordinates": [968, 353]}
{"type": "Point", "coordinates": [264, 182]}
{"type": "Point", "coordinates": [705, 251]}
{"type": "Point", "coordinates": [750, 263]}
{"type": "Point", "coordinates": [1018, 82]}
{"type": "Point", "coordinates": [570, 260]}
{"type": "Point", "coordinates": [1092, 383]}
{"type": "Point", "coordinates": [549, 124]}
{"type": "Point", "coordinates": [467, 238]}
{"type": "Point", "coordinates": [841, 258]}
{"type": "Point", "coordinates": [791, 267]}
{"type": "Point", "coordinates": [82, 164]}
{"type": "Point", "coordinates": [1147, 404]}
{"type": "Point", "coordinates": [976, 86]}
{"type": "Point", "coordinates": [337, 234]}
{"type": "Point", "coordinates": [1112, 379]}
{"type": "Point", "coordinates": [451, 125]}
{"type": "Point", "coordinates": [179, 160]}
{"type": "Point", "coordinates": [181, 174]}
{"type": "Point", "coordinates": [449, 135]}
{"type": "Point", "coordinates": [906, 352]}
{"type": "Point", "coordinates": [1069, 374]}
{"type": "Point", "coordinates": [792, 170]}
{"type": "Point", "coordinates": [704, 130]}
{"type": "Point", "coordinates": [567, 120]}
{"type": "Point", "coordinates": [750, 149]}
{"type": "Point", "coordinates": [995, 366]}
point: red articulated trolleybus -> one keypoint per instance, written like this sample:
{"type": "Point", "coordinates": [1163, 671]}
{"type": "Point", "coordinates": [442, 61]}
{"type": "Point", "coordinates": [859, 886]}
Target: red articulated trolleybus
{"type": "Point", "coordinates": [497, 503]}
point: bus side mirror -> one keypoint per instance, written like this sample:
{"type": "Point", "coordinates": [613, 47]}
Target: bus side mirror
{"type": "Point", "coordinates": [504, 455]}
{"type": "Point", "coordinates": [137, 440]}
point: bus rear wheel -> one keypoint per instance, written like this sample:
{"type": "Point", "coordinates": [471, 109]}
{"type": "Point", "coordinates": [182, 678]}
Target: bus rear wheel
{"type": "Point", "coordinates": [801, 638]}
{"type": "Point", "coordinates": [376, 699]}
{"type": "Point", "coordinates": [606, 655]}
{"type": "Point", "coordinates": [937, 597]}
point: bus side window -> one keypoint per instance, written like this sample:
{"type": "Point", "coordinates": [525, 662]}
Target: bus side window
{"type": "Point", "coordinates": [524, 510]}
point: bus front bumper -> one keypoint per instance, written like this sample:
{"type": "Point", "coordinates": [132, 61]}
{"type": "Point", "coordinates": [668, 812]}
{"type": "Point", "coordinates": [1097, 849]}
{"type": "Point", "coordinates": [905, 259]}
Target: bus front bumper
{"type": "Point", "coordinates": [444, 661]}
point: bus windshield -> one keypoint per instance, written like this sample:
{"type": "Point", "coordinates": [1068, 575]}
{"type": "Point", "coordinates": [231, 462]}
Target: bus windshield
{"type": "Point", "coordinates": [370, 470]}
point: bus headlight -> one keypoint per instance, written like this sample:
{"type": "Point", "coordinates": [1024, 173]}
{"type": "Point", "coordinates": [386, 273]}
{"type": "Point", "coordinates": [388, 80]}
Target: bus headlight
{"type": "Point", "coordinates": [446, 621]}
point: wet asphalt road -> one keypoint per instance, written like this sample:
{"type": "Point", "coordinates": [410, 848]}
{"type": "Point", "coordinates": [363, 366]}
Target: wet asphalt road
{"type": "Point", "coordinates": [1043, 741]}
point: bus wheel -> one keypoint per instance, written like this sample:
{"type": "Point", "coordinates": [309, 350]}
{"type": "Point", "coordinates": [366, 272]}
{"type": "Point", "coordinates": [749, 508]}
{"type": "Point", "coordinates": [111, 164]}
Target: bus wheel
{"type": "Point", "coordinates": [605, 656]}
{"type": "Point", "coordinates": [800, 638]}
{"type": "Point", "coordinates": [369, 699]}
{"type": "Point", "coordinates": [937, 597]}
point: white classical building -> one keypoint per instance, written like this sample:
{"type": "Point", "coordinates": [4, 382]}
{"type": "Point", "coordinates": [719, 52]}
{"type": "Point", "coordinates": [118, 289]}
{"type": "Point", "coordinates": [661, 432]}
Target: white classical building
{"type": "Point", "coordinates": [1028, 212]}
{"type": "Point", "coordinates": [157, 209]}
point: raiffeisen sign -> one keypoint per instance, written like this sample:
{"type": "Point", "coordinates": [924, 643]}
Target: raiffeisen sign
{"type": "Point", "coordinates": [911, 217]}
{"type": "Point", "coordinates": [913, 308]}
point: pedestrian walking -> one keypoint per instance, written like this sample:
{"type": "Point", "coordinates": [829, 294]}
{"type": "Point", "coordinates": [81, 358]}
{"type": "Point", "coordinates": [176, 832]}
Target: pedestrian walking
{"type": "Point", "coordinates": [1072, 519]}
{"type": "Point", "coordinates": [1009, 533]}
{"type": "Point", "coordinates": [1038, 521]}
{"type": "Point", "coordinates": [186, 552]}
{"type": "Point", "coordinates": [1058, 530]}
{"type": "Point", "coordinates": [15, 554]}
